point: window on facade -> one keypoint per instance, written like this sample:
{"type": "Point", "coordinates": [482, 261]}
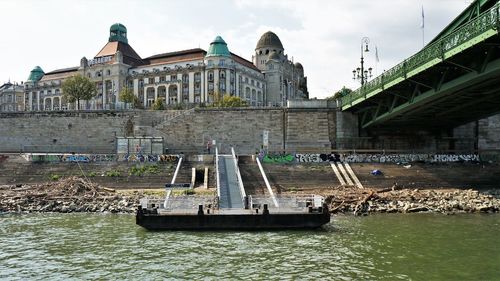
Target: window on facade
{"type": "Point", "coordinates": [108, 72]}
{"type": "Point", "coordinates": [57, 92]}
{"type": "Point", "coordinates": [246, 80]}
{"type": "Point", "coordinates": [210, 62]}
{"type": "Point", "coordinates": [222, 62]}
{"type": "Point", "coordinates": [197, 77]}
{"type": "Point", "coordinates": [222, 74]}
{"type": "Point", "coordinates": [49, 92]}
{"type": "Point", "coordinates": [185, 78]}
{"type": "Point", "coordinates": [162, 78]}
{"type": "Point", "coordinates": [271, 66]}
{"type": "Point", "coordinates": [210, 76]}
{"type": "Point", "coordinates": [173, 77]}
{"type": "Point", "coordinates": [151, 80]}
{"type": "Point", "coordinates": [253, 82]}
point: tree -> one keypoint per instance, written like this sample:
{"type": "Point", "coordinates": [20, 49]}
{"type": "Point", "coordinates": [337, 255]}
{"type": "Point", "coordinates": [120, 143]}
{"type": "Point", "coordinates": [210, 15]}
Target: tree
{"type": "Point", "coordinates": [77, 88]}
{"type": "Point", "coordinates": [340, 93]}
{"type": "Point", "coordinates": [158, 105]}
{"type": "Point", "coordinates": [230, 101]}
{"type": "Point", "coordinates": [127, 96]}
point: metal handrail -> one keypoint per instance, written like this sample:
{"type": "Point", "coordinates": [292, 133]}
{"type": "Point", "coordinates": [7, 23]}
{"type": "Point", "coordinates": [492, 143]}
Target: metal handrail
{"type": "Point", "coordinates": [238, 175]}
{"type": "Point", "coordinates": [217, 171]}
{"type": "Point", "coordinates": [486, 21]}
{"type": "Point", "coordinates": [267, 183]}
{"type": "Point", "coordinates": [169, 191]}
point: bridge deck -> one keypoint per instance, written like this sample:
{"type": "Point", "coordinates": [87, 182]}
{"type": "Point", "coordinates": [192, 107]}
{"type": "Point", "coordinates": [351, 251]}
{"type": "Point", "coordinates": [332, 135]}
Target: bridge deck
{"type": "Point", "coordinates": [452, 81]}
{"type": "Point", "coordinates": [230, 194]}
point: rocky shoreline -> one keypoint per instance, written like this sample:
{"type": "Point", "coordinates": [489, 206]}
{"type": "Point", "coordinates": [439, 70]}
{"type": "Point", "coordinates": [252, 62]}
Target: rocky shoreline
{"type": "Point", "coordinates": [74, 194]}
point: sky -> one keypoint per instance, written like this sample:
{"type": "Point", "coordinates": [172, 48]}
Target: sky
{"type": "Point", "coordinates": [323, 35]}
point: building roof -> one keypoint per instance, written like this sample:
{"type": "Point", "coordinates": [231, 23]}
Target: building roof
{"type": "Point", "coordinates": [118, 32]}
{"type": "Point", "coordinates": [244, 62]}
{"type": "Point", "coordinates": [299, 66]}
{"type": "Point", "coordinates": [130, 57]}
{"type": "Point", "coordinates": [177, 56]}
{"type": "Point", "coordinates": [62, 70]}
{"type": "Point", "coordinates": [60, 73]}
{"type": "Point", "coordinates": [35, 74]}
{"type": "Point", "coordinates": [269, 40]}
{"type": "Point", "coordinates": [218, 48]}
{"type": "Point", "coordinates": [274, 56]}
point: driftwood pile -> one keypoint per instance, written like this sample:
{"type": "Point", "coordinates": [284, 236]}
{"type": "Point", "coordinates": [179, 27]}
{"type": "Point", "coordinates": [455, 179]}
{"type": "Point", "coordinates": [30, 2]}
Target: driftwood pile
{"type": "Point", "coordinates": [71, 194]}
{"type": "Point", "coordinates": [402, 200]}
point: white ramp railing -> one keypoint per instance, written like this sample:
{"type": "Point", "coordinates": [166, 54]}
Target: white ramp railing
{"type": "Point", "coordinates": [267, 183]}
{"type": "Point", "coordinates": [169, 191]}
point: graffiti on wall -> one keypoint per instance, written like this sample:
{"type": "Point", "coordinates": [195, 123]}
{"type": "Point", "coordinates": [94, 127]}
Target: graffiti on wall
{"type": "Point", "coordinates": [367, 158]}
{"type": "Point", "coordinates": [72, 158]}
{"type": "Point", "coordinates": [148, 158]}
{"type": "Point", "coordinates": [316, 157]}
{"type": "Point", "coordinates": [277, 158]}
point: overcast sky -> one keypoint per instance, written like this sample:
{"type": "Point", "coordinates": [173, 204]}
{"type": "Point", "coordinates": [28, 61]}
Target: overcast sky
{"type": "Point", "coordinates": [322, 35]}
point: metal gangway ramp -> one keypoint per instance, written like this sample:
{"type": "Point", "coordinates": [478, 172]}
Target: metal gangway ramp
{"type": "Point", "coordinates": [230, 188]}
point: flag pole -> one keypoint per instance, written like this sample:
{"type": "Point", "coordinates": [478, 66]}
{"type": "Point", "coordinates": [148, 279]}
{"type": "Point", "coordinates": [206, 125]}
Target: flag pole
{"type": "Point", "coordinates": [423, 27]}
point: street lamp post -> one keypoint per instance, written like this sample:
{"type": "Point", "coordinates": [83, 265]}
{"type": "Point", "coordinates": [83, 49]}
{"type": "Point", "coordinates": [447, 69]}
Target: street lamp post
{"type": "Point", "coordinates": [361, 73]}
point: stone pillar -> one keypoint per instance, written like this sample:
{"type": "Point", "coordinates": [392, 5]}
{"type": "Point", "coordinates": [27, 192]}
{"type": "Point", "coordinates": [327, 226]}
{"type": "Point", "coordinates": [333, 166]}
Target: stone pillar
{"type": "Point", "coordinates": [191, 86]}
{"type": "Point", "coordinates": [179, 91]}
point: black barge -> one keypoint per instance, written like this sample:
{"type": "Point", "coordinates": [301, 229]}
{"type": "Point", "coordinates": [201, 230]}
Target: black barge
{"type": "Point", "coordinates": [235, 219]}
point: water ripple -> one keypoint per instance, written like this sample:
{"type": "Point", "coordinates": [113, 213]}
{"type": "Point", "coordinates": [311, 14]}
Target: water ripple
{"type": "Point", "coordinates": [394, 247]}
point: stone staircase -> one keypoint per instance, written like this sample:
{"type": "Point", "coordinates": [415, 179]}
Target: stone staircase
{"type": "Point", "coordinates": [149, 124]}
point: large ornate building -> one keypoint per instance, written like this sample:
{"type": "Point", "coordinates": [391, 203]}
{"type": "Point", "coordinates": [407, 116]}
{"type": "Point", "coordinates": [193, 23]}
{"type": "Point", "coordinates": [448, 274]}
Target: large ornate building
{"type": "Point", "coordinates": [11, 97]}
{"type": "Point", "coordinates": [192, 76]}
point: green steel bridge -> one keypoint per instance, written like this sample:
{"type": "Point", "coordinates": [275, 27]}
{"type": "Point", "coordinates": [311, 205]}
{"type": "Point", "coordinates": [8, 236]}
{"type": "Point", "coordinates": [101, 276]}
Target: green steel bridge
{"type": "Point", "coordinates": [454, 80]}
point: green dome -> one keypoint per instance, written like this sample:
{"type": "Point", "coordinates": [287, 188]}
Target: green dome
{"type": "Point", "coordinates": [118, 32]}
{"type": "Point", "coordinates": [36, 74]}
{"type": "Point", "coordinates": [218, 48]}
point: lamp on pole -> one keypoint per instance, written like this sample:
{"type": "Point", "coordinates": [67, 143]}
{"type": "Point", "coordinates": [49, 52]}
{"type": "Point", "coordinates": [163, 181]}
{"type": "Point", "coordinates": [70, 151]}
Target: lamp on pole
{"type": "Point", "coordinates": [361, 73]}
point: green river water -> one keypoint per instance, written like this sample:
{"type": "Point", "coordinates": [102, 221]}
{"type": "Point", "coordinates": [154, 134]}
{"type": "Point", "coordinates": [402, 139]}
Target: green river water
{"type": "Point", "coordinates": [377, 247]}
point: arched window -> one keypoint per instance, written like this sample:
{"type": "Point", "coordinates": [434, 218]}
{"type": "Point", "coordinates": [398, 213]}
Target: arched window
{"type": "Point", "coordinates": [267, 52]}
{"type": "Point", "coordinates": [210, 76]}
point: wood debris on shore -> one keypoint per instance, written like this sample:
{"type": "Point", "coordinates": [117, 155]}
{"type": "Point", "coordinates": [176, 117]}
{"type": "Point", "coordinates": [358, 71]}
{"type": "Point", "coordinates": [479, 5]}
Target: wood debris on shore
{"type": "Point", "coordinates": [72, 194]}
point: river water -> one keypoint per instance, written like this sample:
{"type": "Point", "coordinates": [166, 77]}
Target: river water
{"type": "Point", "coordinates": [377, 247]}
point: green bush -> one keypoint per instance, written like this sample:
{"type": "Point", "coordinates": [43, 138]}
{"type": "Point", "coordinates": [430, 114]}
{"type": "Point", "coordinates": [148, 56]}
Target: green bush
{"type": "Point", "coordinates": [112, 173]}
{"type": "Point", "coordinates": [146, 169]}
{"type": "Point", "coordinates": [189, 192]}
{"type": "Point", "coordinates": [54, 177]}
